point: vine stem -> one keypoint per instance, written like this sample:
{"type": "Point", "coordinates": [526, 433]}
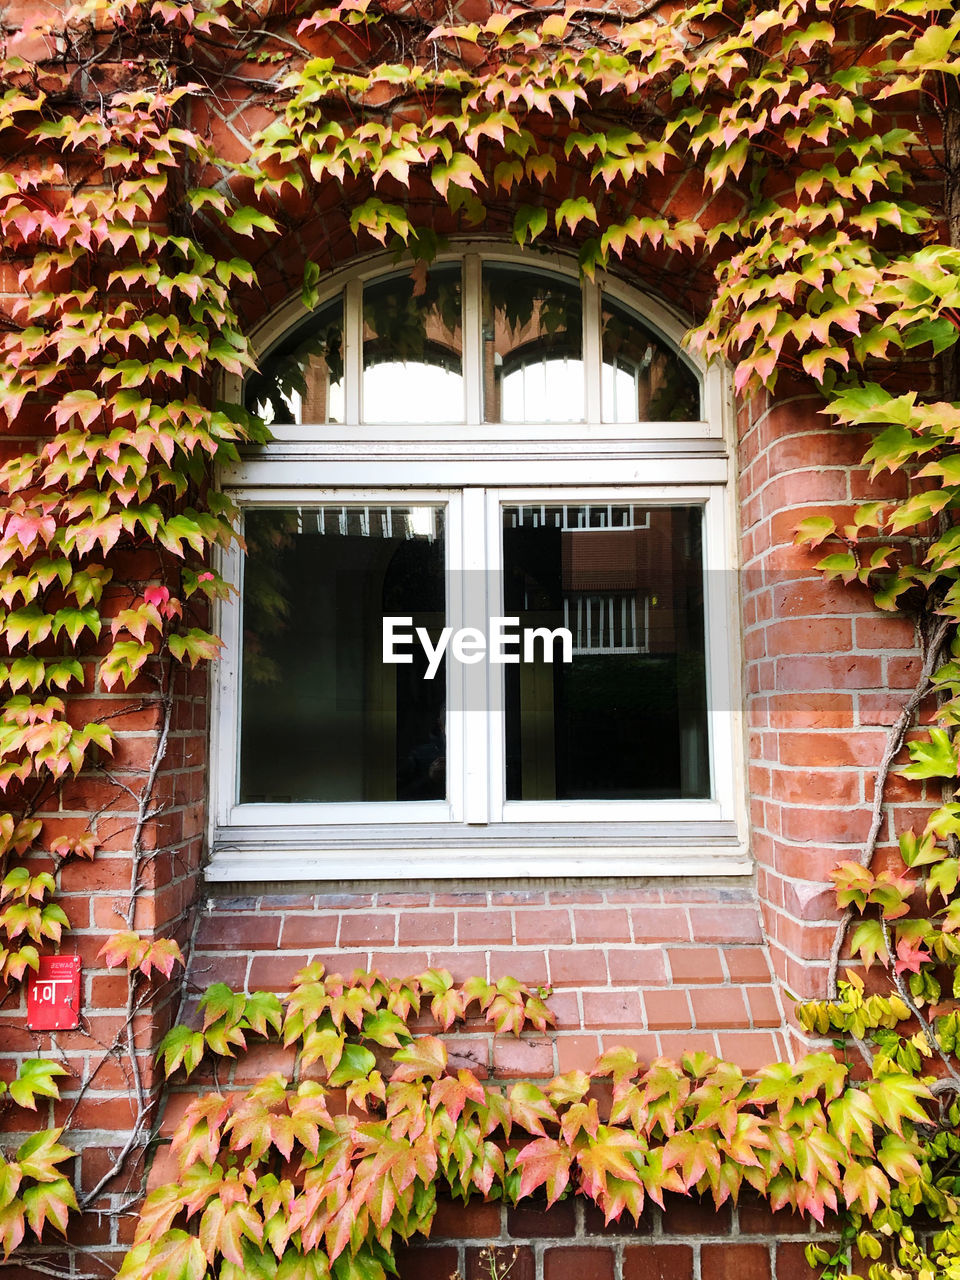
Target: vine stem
{"type": "Point", "coordinates": [893, 744]}
{"type": "Point", "coordinates": [904, 993]}
{"type": "Point", "coordinates": [145, 812]}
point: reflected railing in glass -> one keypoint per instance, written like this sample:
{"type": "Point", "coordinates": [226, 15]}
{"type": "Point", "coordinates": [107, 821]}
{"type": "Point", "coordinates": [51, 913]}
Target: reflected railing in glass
{"type": "Point", "coordinates": [626, 719]}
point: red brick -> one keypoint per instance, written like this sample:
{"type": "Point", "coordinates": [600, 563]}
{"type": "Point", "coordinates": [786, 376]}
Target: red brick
{"type": "Point", "coordinates": [476, 928]}
{"type": "Point", "coordinates": [695, 964]}
{"type": "Point", "coordinates": [426, 928]}
{"type": "Point", "coordinates": [510, 1259]}
{"type": "Point", "coordinates": [755, 1217]}
{"type": "Point", "coordinates": [594, 1261]}
{"type": "Point", "coordinates": [827, 748]}
{"type": "Point", "coordinates": [735, 1261]}
{"type": "Point", "coordinates": [541, 928]}
{"type": "Point", "coordinates": [610, 924]}
{"type": "Point", "coordinates": [529, 1058]}
{"type": "Point", "coordinates": [365, 929]}
{"type": "Point", "coordinates": [577, 1053]}
{"type": "Point", "coordinates": [309, 932]}
{"type": "Point", "coordinates": [764, 1009]}
{"type": "Point", "coordinates": [674, 1044]}
{"type": "Point", "coordinates": [666, 1009]}
{"type": "Point", "coordinates": [660, 924]}
{"type": "Point", "coordinates": [750, 1050]}
{"type": "Point", "coordinates": [725, 923]}
{"type": "Point", "coordinates": [691, 1216]}
{"type": "Point", "coordinates": [419, 1262]}
{"type": "Point", "coordinates": [473, 1221]}
{"type": "Point", "coordinates": [719, 1007]}
{"type": "Point", "coordinates": [803, 635]}
{"type": "Point", "coordinates": [612, 1009]}
{"type": "Point", "coordinates": [791, 1262]}
{"type": "Point", "coordinates": [884, 633]}
{"type": "Point", "coordinates": [527, 966]}
{"type": "Point", "coordinates": [664, 1261]}
{"type": "Point", "coordinates": [527, 1221]}
{"type": "Point", "coordinates": [640, 966]}
{"type": "Point", "coordinates": [578, 968]}
{"type": "Point", "coordinates": [274, 973]}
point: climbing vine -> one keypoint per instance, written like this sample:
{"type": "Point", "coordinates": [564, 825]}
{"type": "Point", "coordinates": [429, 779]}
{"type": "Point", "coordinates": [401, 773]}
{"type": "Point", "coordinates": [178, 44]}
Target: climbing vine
{"type": "Point", "coordinates": [788, 171]}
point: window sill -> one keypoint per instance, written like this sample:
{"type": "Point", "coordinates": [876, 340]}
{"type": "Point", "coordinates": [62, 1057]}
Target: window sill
{"type": "Point", "coordinates": [259, 856]}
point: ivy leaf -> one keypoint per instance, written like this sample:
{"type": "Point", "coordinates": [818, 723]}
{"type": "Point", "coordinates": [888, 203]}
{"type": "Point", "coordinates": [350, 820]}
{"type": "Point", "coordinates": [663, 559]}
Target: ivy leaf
{"type": "Point", "coordinates": [529, 221]}
{"type": "Point", "coordinates": [356, 1063]}
{"type": "Point", "coordinates": [426, 1058]}
{"type": "Point", "coordinates": [246, 220]}
{"type": "Point", "coordinates": [574, 211]}
{"type": "Point", "coordinates": [461, 170]}
{"type": "Point", "coordinates": [36, 1076]}
{"type": "Point", "coordinates": [544, 1162]}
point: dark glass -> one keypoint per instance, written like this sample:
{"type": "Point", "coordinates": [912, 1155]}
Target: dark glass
{"type": "Point", "coordinates": [413, 347]}
{"type": "Point", "coordinates": [644, 378]}
{"type": "Point", "coordinates": [627, 718]}
{"type": "Point", "coordinates": [532, 346]}
{"type": "Point", "coordinates": [323, 717]}
{"type": "Point", "coordinates": [301, 378]}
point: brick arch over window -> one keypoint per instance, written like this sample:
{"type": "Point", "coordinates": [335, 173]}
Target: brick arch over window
{"type": "Point", "coordinates": [682, 962]}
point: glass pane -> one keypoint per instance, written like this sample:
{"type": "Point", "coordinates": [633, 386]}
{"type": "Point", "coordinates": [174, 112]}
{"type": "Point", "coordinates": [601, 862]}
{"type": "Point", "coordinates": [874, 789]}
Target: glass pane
{"type": "Point", "coordinates": [413, 347]}
{"type": "Point", "coordinates": [532, 346]}
{"type": "Point", "coordinates": [323, 717]}
{"type": "Point", "coordinates": [625, 718]}
{"type": "Point", "coordinates": [301, 379]}
{"type": "Point", "coordinates": [644, 378]}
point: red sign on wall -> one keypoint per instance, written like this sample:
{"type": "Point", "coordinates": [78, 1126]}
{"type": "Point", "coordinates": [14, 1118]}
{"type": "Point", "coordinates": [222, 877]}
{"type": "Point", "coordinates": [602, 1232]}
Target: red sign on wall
{"type": "Point", "coordinates": [53, 994]}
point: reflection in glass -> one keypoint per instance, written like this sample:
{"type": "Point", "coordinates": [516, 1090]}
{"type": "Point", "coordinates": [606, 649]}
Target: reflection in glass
{"type": "Point", "coordinates": [626, 719]}
{"type": "Point", "coordinates": [323, 718]}
{"type": "Point", "coordinates": [644, 379]}
{"type": "Point", "coordinates": [413, 347]}
{"type": "Point", "coordinates": [532, 346]}
{"type": "Point", "coordinates": [301, 379]}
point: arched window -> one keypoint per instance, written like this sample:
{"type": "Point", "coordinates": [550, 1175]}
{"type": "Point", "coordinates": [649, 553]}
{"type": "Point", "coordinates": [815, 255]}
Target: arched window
{"type": "Point", "coordinates": [486, 607]}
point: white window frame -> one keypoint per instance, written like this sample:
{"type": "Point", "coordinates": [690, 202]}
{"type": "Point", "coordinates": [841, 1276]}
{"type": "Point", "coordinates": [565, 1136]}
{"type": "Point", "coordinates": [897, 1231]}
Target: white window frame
{"type": "Point", "coordinates": [473, 468]}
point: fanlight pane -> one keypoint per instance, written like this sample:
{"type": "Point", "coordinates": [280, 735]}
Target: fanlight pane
{"type": "Point", "coordinates": [413, 348]}
{"type": "Point", "coordinates": [532, 346]}
{"type": "Point", "coordinates": [644, 378]}
{"type": "Point", "coordinates": [301, 378]}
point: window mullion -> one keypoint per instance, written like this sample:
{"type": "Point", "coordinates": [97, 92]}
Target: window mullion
{"type": "Point", "coordinates": [472, 339]}
{"type": "Point", "coordinates": [474, 677]}
{"type": "Point", "coordinates": [352, 348]}
{"type": "Point", "coordinates": [592, 350]}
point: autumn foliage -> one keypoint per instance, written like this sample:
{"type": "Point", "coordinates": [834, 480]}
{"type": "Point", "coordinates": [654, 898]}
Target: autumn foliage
{"type": "Point", "coordinates": [824, 243]}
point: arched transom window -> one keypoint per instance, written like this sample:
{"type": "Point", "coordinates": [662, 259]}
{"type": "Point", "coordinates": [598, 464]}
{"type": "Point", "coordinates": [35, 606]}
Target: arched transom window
{"type": "Point", "coordinates": [485, 609]}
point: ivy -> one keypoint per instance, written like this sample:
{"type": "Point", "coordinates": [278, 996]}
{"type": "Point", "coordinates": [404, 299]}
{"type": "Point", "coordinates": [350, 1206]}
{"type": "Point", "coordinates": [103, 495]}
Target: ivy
{"type": "Point", "coordinates": [811, 243]}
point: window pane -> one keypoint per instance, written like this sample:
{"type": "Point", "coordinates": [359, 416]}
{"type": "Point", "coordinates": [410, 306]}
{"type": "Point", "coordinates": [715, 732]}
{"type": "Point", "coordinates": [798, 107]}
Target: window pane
{"type": "Point", "coordinates": [644, 378]}
{"type": "Point", "coordinates": [626, 718]}
{"type": "Point", "coordinates": [413, 347]}
{"type": "Point", "coordinates": [323, 718]}
{"type": "Point", "coordinates": [301, 379]}
{"type": "Point", "coordinates": [532, 346]}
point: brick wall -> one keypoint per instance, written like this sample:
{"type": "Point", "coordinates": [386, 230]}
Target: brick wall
{"type": "Point", "coordinates": [689, 1240]}
{"type": "Point", "coordinates": [826, 676]}
{"type": "Point", "coordinates": [660, 966]}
